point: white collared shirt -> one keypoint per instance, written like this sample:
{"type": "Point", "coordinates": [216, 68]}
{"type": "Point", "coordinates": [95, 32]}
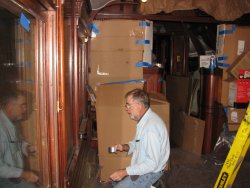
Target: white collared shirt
{"type": "Point", "coordinates": [11, 149]}
{"type": "Point", "coordinates": [150, 147]}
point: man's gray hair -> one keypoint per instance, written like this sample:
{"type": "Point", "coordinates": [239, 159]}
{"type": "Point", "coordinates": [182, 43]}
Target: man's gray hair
{"type": "Point", "coordinates": [10, 94]}
{"type": "Point", "coordinates": [139, 95]}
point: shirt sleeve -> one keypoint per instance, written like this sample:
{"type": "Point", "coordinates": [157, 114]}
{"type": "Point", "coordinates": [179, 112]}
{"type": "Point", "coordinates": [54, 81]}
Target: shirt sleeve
{"type": "Point", "coordinates": [24, 148]}
{"type": "Point", "coordinates": [131, 147]}
{"type": "Point", "coordinates": [7, 171]}
{"type": "Point", "coordinates": [151, 144]}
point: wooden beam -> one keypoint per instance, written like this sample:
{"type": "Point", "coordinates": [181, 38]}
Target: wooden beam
{"type": "Point", "coordinates": [156, 17]}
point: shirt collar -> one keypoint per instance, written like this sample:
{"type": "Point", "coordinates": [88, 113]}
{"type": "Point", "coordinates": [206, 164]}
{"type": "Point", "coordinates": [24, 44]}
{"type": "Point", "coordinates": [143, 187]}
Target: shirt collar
{"type": "Point", "coordinates": [144, 118]}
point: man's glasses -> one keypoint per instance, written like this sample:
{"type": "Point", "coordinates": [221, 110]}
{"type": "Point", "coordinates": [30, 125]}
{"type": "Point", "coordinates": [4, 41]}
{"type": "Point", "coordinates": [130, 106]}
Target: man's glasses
{"type": "Point", "coordinates": [129, 106]}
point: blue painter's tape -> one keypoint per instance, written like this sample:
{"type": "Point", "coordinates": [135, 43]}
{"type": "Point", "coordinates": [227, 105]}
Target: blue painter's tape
{"type": "Point", "coordinates": [228, 31]}
{"type": "Point", "coordinates": [143, 64]}
{"type": "Point", "coordinates": [94, 28]}
{"type": "Point", "coordinates": [125, 82]}
{"type": "Point", "coordinates": [223, 64]}
{"type": "Point", "coordinates": [142, 41]}
{"type": "Point", "coordinates": [222, 58]}
{"type": "Point", "coordinates": [144, 24]}
{"type": "Point", "coordinates": [25, 22]}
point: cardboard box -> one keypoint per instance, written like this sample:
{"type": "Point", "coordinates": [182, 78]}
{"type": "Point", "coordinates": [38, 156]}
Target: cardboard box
{"type": "Point", "coordinates": [161, 108]}
{"type": "Point", "coordinates": [236, 115]}
{"type": "Point", "coordinates": [232, 41]}
{"type": "Point", "coordinates": [243, 90]}
{"type": "Point", "coordinates": [117, 48]}
{"type": "Point", "coordinates": [233, 126]}
{"type": "Point", "coordinates": [241, 63]}
{"type": "Point", "coordinates": [236, 90]}
{"type": "Point", "coordinates": [239, 91]}
{"type": "Point", "coordinates": [188, 131]}
{"type": "Point", "coordinates": [109, 164]}
{"type": "Point", "coordinates": [193, 134]}
{"type": "Point", "coordinates": [121, 28]}
{"type": "Point", "coordinates": [114, 125]}
{"type": "Point", "coordinates": [114, 66]}
{"type": "Point", "coordinates": [116, 44]}
{"type": "Point", "coordinates": [119, 34]}
{"type": "Point", "coordinates": [244, 74]}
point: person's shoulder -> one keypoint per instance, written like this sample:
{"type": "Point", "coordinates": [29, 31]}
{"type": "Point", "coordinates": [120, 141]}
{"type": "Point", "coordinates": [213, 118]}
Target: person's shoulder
{"type": "Point", "coordinates": [3, 134]}
{"type": "Point", "coordinates": [3, 130]}
{"type": "Point", "coordinates": [156, 117]}
{"type": "Point", "coordinates": [156, 121]}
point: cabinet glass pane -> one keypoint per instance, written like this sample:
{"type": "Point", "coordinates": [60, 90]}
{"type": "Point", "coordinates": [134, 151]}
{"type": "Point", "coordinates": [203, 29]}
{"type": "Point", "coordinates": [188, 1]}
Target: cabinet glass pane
{"type": "Point", "coordinates": [18, 109]}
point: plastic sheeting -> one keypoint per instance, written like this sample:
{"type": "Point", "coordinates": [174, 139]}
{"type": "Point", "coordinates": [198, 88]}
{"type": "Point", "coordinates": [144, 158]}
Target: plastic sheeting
{"type": "Point", "coordinates": [221, 10]}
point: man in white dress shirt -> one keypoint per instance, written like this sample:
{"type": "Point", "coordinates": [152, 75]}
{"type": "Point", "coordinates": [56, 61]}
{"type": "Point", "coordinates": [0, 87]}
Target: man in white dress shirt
{"type": "Point", "coordinates": [12, 147]}
{"type": "Point", "coordinates": [150, 147]}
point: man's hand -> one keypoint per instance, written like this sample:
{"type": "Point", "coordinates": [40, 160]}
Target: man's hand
{"type": "Point", "coordinates": [118, 147]}
{"type": "Point", "coordinates": [121, 147]}
{"type": "Point", "coordinates": [118, 175]}
{"type": "Point", "coordinates": [29, 176]}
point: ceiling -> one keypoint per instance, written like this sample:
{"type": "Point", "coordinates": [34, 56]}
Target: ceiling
{"type": "Point", "coordinates": [222, 10]}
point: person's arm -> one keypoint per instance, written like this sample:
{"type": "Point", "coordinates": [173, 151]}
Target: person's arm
{"type": "Point", "coordinates": [125, 147]}
{"type": "Point", "coordinates": [118, 175]}
{"type": "Point", "coordinates": [7, 171]}
{"type": "Point", "coordinates": [29, 176]}
{"type": "Point", "coordinates": [152, 156]}
{"type": "Point", "coordinates": [131, 146]}
{"type": "Point", "coordinates": [28, 149]}
{"type": "Point", "coordinates": [25, 148]}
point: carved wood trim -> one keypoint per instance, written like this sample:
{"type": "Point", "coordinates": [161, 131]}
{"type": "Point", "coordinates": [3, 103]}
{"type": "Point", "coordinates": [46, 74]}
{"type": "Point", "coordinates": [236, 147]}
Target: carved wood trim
{"type": "Point", "coordinates": [61, 113]}
{"type": "Point", "coordinates": [37, 8]}
{"type": "Point", "coordinates": [73, 8]}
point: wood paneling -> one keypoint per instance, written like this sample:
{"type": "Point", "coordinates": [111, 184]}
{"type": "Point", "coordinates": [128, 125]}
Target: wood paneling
{"type": "Point", "coordinates": [179, 57]}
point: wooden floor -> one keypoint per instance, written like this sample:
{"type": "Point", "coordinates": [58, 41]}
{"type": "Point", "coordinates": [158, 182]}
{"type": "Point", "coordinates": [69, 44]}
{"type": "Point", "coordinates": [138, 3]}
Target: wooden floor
{"type": "Point", "coordinates": [186, 171]}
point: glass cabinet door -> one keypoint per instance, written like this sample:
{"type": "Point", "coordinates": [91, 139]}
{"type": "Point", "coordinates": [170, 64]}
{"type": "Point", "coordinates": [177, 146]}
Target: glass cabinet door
{"type": "Point", "coordinates": [17, 78]}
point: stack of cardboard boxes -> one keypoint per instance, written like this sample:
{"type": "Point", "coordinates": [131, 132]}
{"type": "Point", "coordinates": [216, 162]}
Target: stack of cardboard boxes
{"type": "Point", "coordinates": [116, 51]}
{"type": "Point", "coordinates": [232, 47]}
{"type": "Point", "coordinates": [117, 48]}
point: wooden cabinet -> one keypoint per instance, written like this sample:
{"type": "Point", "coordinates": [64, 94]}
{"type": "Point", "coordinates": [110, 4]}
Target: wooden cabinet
{"type": "Point", "coordinates": [179, 64]}
{"type": "Point", "coordinates": [153, 79]}
{"type": "Point", "coordinates": [31, 60]}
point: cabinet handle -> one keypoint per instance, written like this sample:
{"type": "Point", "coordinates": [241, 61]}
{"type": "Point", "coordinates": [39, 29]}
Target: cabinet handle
{"type": "Point", "coordinates": [58, 107]}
